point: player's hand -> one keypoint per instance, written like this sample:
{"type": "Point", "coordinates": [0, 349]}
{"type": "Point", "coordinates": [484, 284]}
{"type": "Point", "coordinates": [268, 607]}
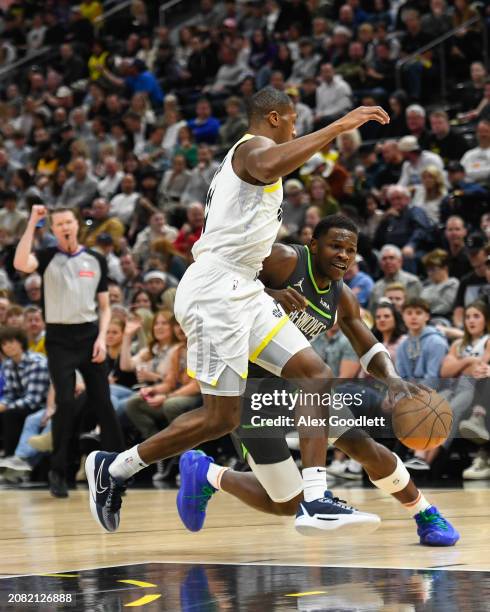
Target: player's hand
{"type": "Point", "coordinates": [99, 351]}
{"type": "Point", "coordinates": [289, 299]}
{"type": "Point", "coordinates": [398, 388]}
{"type": "Point", "coordinates": [361, 115]}
{"type": "Point", "coordinates": [38, 213]}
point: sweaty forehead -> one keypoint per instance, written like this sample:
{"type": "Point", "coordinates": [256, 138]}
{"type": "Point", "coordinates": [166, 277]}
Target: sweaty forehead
{"type": "Point", "coordinates": [341, 235]}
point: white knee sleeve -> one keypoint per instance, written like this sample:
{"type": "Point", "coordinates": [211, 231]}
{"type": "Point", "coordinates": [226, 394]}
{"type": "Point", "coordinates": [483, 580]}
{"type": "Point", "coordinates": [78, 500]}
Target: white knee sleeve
{"type": "Point", "coordinates": [394, 482]}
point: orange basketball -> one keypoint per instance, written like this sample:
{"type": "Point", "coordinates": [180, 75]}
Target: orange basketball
{"type": "Point", "coordinates": [423, 421]}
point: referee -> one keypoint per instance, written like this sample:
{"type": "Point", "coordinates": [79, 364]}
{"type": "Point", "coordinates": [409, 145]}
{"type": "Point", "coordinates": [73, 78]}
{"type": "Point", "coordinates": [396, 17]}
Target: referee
{"type": "Point", "coordinates": [74, 289]}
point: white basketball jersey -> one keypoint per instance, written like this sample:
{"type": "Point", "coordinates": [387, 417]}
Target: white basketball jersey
{"type": "Point", "coordinates": [241, 220]}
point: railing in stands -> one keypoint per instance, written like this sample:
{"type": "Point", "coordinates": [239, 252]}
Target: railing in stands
{"type": "Point", "coordinates": [24, 61]}
{"type": "Point", "coordinates": [120, 6]}
{"type": "Point", "coordinates": [438, 42]}
{"type": "Point", "coordinates": [164, 8]}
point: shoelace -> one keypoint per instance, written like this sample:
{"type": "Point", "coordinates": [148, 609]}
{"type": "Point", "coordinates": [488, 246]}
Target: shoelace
{"type": "Point", "coordinates": [434, 519]}
{"type": "Point", "coordinates": [114, 501]}
{"type": "Point", "coordinates": [206, 493]}
{"type": "Point", "coordinates": [340, 502]}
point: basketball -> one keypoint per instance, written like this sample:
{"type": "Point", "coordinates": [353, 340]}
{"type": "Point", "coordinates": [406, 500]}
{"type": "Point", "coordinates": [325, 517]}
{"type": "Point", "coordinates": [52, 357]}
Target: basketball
{"type": "Point", "coordinates": [422, 422]}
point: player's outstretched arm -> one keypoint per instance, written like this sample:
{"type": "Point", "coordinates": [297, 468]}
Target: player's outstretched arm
{"type": "Point", "coordinates": [266, 161]}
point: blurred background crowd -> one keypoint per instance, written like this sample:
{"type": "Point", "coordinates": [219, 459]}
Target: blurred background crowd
{"type": "Point", "coordinates": [124, 110]}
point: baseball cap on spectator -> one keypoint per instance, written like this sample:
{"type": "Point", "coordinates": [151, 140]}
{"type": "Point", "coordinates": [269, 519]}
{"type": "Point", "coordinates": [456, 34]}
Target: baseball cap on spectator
{"type": "Point", "coordinates": [292, 185]}
{"type": "Point", "coordinates": [455, 166]}
{"type": "Point", "coordinates": [408, 144]}
{"type": "Point", "coordinates": [104, 239]}
{"type": "Point", "coordinates": [475, 242]}
{"type": "Point", "coordinates": [63, 92]}
{"type": "Point", "coordinates": [314, 162]}
{"type": "Point", "coordinates": [155, 274]}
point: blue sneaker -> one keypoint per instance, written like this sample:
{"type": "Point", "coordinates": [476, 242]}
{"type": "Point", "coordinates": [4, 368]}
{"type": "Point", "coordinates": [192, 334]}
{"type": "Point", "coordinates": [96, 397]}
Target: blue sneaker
{"type": "Point", "coordinates": [195, 490]}
{"type": "Point", "coordinates": [434, 529]}
{"type": "Point", "coordinates": [104, 490]}
{"type": "Point", "coordinates": [331, 513]}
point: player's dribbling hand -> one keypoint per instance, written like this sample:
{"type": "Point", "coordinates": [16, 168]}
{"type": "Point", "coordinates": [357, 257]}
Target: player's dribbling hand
{"type": "Point", "coordinates": [398, 388]}
{"type": "Point", "coordinates": [38, 213]}
{"type": "Point", "coordinates": [289, 299]}
{"type": "Point", "coordinates": [361, 115]}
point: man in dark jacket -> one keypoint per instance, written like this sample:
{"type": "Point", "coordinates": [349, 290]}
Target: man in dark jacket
{"type": "Point", "coordinates": [408, 227]}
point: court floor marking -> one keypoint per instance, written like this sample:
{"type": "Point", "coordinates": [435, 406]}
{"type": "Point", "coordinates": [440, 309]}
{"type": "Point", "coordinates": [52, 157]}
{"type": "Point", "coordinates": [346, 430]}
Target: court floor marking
{"type": "Point", "coordinates": [254, 563]}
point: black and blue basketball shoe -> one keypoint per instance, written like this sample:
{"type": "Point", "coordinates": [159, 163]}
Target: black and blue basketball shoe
{"type": "Point", "coordinates": [105, 491]}
{"type": "Point", "coordinates": [330, 513]}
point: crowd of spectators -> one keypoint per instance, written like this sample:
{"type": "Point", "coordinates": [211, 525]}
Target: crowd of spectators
{"type": "Point", "coordinates": [127, 126]}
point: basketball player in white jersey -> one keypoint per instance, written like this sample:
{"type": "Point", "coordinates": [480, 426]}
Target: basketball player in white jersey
{"type": "Point", "coordinates": [227, 316]}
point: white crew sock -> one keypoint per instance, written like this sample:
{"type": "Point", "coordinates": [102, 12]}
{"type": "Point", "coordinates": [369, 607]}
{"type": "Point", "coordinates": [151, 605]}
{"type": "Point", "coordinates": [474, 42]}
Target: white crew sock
{"type": "Point", "coordinates": [418, 505]}
{"type": "Point", "coordinates": [126, 464]}
{"type": "Point", "coordinates": [314, 483]}
{"type": "Point", "coordinates": [215, 474]}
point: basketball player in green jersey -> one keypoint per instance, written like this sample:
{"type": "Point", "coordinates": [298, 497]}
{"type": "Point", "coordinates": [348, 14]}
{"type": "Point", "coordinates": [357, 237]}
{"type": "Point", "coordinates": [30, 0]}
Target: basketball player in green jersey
{"type": "Point", "coordinates": [308, 284]}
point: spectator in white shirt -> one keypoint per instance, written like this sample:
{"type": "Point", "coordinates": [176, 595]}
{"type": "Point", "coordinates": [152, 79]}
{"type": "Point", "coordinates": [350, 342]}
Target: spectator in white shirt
{"type": "Point", "coordinates": [113, 175]}
{"type": "Point", "coordinates": [200, 177]}
{"type": "Point", "coordinates": [476, 162]}
{"type": "Point", "coordinates": [123, 204]}
{"type": "Point", "coordinates": [304, 114]}
{"type": "Point", "coordinates": [416, 161]}
{"type": "Point", "coordinates": [333, 97]}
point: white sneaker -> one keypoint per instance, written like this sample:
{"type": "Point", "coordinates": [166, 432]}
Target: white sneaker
{"type": "Point", "coordinates": [336, 468]}
{"type": "Point", "coordinates": [16, 463]}
{"type": "Point", "coordinates": [475, 429]}
{"type": "Point", "coordinates": [330, 514]}
{"type": "Point", "coordinates": [416, 463]}
{"type": "Point", "coordinates": [479, 469]}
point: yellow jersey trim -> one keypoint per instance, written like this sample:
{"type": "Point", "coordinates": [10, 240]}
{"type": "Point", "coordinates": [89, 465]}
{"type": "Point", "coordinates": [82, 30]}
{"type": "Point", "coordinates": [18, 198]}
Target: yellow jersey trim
{"type": "Point", "coordinates": [274, 187]}
{"type": "Point", "coordinates": [191, 373]}
{"type": "Point", "coordinates": [268, 338]}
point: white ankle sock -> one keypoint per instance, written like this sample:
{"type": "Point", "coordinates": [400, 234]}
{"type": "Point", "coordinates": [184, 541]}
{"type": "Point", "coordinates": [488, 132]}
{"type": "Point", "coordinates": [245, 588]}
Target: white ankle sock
{"type": "Point", "coordinates": [418, 505]}
{"type": "Point", "coordinates": [215, 474]}
{"type": "Point", "coordinates": [314, 483]}
{"type": "Point", "coordinates": [126, 464]}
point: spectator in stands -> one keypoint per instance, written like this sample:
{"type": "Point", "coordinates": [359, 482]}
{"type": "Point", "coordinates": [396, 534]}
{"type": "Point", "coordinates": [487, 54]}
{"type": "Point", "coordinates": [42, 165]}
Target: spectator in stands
{"type": "Point", "coordinates": [205, 127]}
{"type": "Point", "coordinates": [466, 199]}
{"type": "Point", "coordinates": [32, 286]}
{"type": "Point", "coordinates": [389, 327]}
{"type": "Point", "coordinates": [413, 39]}
{"type": "Point", "coordinates": [470, 284]}
{"type": "Point", "coordinates": [137, 78]}
{"type": "Point", "coordinates": [390, 262]}
{"type": "Point", "coordinates": [404, 225]}
{"type": "Point", "coordinates": [439, 290]}
{"type": "Point", "coordinates": [231, 72]}
{"type": "Point", "coordinates": [15, 316]}
{"type": "Point", "coordinates": [304, 114]}
{"type": "Point", "coordinates": [416, 161]}
{"type": "Point", "coordinates": [234, 127]}
{"type": "Point", "coordinates": [396, 293]}
{"type": "Point", "coordinates": [162, 402]}
{"type": "Point", "coordinates": [174, 182]}
{"type": "Point", "coordinates": [79, 190]}
{"type": "Point", "coordinates": [157, 228]}
{"type": "Point", "coordinates": [4, 306]}
{"type": "Point", "coordinates": [359, 282]}
{"type": "Point", "coordinates": [102, 223]}
{"type": "Point", "coordinates": [438, 21]}
{"type": "Point", "coordinates": [35, 329]}
{"type": "Point", "coordinates": [72, 66]}
{"type": "Point", "coordinates": [321, 196]}
{"type": "Point", "coordinates": [109, 184]}
{"type": "Point", "coordinates": [190, 232]}
{"type": "Point", "coordinates": [26, 384]}
{"type": "Point", "coordinates": [306, 65]}
{"type": "Point", "coordinates": [415, 116]}
{"type": "Point", "coordinates": [390, 171]}
{"type": "Point", "coordinates": [333, 96]}
{"type": "Point", "coordinates": [12, 220]}
{"type": "Point", "coordinates": [431, 192]}
{"type": "Point", "coordinates": [122, 205]}
{"type": "Point", "coordinates": [294, 205]}
{"type": "Point", "coordinates": [455, 234]}
{"type": "Point", "coordinates": [476, 162]}
{"type": "Point", "coordinates": [443, 140]}
{"type": "Point", "coordinates": [421, 354]}
{"type": "Point", "coordinates": [200, 177]}
{"type": "Point", "coordinates": [348, 144]}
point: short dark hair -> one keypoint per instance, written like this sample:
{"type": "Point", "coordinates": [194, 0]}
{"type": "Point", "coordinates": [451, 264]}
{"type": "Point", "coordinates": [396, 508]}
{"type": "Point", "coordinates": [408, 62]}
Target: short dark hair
{"type": "Point", "coordinates": [265, 101]}
{"type": "Point", "coordinates": [63, 209]}
{"type": "Point", "coordinates": [13, 333]}
{"type": "Point", "coordinates": [416, 302]}
{"type": "Point", "coordinates": [338, 221]}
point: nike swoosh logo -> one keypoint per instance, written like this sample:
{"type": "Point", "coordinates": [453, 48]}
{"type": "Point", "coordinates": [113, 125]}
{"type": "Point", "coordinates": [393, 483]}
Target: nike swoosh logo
{"type": "Point", "coordinates": [98, 480]}
{"type": "Point", "coordinates": [323, 518]}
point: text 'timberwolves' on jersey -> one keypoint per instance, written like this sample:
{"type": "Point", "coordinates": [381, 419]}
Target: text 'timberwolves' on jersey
{"type": "Point", "coordinates": [241, 220]}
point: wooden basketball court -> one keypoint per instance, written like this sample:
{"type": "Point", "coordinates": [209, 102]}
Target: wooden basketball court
{"type": "Point", "coordinates": [153, 562]}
